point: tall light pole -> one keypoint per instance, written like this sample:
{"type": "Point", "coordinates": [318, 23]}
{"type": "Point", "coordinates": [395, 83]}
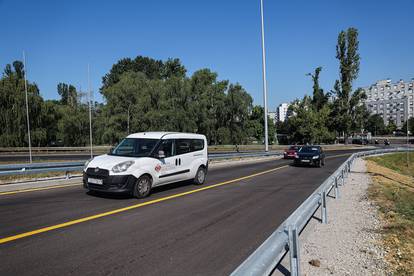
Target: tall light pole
{"type": "Point", "coordinates": [27, 107]}
{"type": "Point", "coordinates": [408, 114]}
{"type": "Point", "coordinates": [90, 111]}
{"type": "Point", "coordinates": [264, 79]}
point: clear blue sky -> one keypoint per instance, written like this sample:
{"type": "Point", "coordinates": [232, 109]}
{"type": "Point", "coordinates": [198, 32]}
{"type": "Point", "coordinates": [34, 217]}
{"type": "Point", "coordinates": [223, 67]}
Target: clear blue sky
{"type": "Point", "coordinates": [61, 37]}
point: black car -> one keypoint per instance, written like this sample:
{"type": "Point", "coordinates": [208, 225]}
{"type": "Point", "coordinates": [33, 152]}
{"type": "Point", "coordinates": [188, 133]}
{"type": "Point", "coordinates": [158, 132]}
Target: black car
{"type": "Point", "coordinates": [310, 155]}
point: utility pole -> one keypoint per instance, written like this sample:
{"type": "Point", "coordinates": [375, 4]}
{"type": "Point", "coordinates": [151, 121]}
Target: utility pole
{"type": "Point", "coordinates": [90, 111]}
{"type": "Point", "coordinates": [408, 114]}
{"type": "Point", "coordinates": [27, 108]}
{"type": "Point", "coordinates": [129, 106]}
{"type": "Point", "coordinates": [264, 79]}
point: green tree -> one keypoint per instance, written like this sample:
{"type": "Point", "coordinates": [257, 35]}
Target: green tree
{"type": "Point", "coordinates": [12, 104]}
{"type": "Point", "coordinates": [73, 126]}
{"type": "Point", "coordinates": [282, 127]}
{"type": "Point", "coordinates": [391, 127]}
{"type": "Point", "coordinates": [127, 102]}
{"type": "Point", "coordinates": [410, 126]}
{"type": "Point", "coordinates": [255, 125]}
{"type": "Point", "coordinates": [19, 69]}
{"type": "Point", "coordinates": [207, 102]}
{"type": "Point", "coordinates": [346, 102]}
{"type": "Point", "coordinates": [68, 94]}
{"type": "Point", "coordinates": [173, 68]}
{"type": "Point", "coordinates": [309, 125]}
{"type": "Point", "coordinates": [319, 98]}
{"type": "Point", "coordinates": [151, 68]}
{"type": "Point", "coordinates": [239, 105]}
{"type": "Point", "coordinates": [375, 124]}
{"type": "Point", "coordinates": [141, 94]}
{"type": "Point", "coordinates": [171, 101]}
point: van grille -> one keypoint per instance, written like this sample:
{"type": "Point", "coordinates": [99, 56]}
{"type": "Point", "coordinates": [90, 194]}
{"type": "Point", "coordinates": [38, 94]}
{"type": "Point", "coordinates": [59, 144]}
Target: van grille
{"type": "Point", "coordinates": [100, 173]}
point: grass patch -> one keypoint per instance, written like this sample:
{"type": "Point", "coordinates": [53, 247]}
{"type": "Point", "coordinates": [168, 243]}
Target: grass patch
{"type": "Point", "coordinates": [393, 191]}
{"type": "Point", "coordinates": [396, 162]}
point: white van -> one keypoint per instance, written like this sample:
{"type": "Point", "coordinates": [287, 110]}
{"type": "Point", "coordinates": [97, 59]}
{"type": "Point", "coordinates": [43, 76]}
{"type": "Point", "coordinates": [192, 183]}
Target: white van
{"type": "Point", "coordinates": [148, 159]}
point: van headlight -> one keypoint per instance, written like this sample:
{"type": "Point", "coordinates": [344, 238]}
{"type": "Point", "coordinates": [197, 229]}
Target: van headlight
{"type": "Point", "coordinates": [121, 167]}
{"type": "Point", "coordinates": [315, 157]}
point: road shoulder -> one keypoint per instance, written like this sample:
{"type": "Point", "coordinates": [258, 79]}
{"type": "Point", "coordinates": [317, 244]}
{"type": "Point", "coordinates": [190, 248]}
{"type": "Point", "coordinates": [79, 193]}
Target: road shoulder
{"type": "Point", "coordinates": [350, 244]}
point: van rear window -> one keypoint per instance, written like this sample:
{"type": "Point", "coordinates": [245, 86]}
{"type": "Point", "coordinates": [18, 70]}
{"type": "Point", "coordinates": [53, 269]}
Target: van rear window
{"type": "Point", "coordinates": [188, 145]}
{"type": "Point", "coordinates": [197, 144]}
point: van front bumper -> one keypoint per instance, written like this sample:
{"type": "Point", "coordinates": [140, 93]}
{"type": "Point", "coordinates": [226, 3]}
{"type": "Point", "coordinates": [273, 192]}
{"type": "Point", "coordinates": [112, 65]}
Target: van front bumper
{"type": "Point", "coordinates": [110, 183]}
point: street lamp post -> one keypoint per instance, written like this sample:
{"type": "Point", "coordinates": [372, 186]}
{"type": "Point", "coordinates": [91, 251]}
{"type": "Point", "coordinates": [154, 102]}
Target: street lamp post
{"type": "Point", "coordinates": [408, 114]}
{"type": "Point", "coordinates": [27, 108]}
{"type": "Point", "coordinates": [264, 79]}
{"type": "Point", "coordinates": [90, 111]}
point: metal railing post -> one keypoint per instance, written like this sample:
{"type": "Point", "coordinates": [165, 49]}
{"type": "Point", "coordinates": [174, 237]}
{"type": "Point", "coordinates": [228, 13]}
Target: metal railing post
{"type": "Point", "coordinates": [294, 250]}
{"type": "Point", "coordinates": [336, 188]}
{"type": "Point", "coordinates": [342, 177]}
{"type": "Point", "coordinates": [324, 213]}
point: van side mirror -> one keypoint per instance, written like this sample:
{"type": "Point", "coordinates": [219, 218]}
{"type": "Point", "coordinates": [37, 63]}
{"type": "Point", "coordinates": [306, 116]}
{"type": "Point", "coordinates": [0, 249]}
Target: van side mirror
{"type": "Point", "coordinates": [161, 154]}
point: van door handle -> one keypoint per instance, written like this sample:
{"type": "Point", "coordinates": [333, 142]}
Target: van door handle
{"type": "Point", "coordinates": [176, 162]}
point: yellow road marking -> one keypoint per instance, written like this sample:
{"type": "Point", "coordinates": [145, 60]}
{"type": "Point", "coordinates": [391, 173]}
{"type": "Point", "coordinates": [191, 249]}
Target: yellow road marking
{"type": "Point", "coordinates": [116, 211]}
{"type": "Point", "coordinates": [38, 189]}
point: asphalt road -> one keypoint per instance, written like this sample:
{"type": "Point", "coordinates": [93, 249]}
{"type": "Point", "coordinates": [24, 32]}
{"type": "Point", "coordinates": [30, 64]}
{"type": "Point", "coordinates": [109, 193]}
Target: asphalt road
{"type": "Point", "coordinates": [208, 232]}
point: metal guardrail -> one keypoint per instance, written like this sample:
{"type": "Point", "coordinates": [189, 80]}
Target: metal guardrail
{"type": "Point", "coordinates": [67, 167]}
{"type": "Point", "coordinates": [285, 239]}
{"type": "Point", "coordinates": [34, 168]}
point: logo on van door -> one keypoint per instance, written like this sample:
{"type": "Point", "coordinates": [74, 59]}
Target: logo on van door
{"type": "Point", "coordinates": [158, 168]}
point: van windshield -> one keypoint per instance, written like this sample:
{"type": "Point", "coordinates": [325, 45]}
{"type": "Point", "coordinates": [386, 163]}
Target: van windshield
{"type": "Point", "coordinates": [135, 147]}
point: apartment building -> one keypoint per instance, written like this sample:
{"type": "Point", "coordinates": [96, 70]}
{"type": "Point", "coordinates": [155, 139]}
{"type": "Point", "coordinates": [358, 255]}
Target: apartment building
{"type": "Point", "coordinates": [282, 110]}
{"type": "Point", "coordinates": [392, 101]}
{"type": "Point", "coordinates": [272, 115]}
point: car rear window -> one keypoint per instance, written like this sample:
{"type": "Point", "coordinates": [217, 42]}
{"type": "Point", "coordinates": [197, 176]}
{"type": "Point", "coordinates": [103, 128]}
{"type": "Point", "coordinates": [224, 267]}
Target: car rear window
{"type": "Point", "coordinates": [309, 149]}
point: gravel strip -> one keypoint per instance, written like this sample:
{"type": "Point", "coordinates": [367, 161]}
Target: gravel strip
{"type": "Point", "coordinates": [350, 243]}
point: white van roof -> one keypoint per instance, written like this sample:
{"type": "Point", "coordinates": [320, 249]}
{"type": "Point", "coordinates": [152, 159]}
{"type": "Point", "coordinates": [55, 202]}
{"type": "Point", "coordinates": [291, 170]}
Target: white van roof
{"type": "Point", "coordinates": [165, 135]}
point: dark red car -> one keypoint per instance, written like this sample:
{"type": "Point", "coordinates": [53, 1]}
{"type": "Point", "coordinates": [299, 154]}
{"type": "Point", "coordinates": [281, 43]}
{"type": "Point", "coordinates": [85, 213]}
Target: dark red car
{"type": "Point", "coordinates": [291, 152]}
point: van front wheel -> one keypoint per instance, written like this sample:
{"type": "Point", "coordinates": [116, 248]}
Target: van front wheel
{"type": "Point", "coordinates": [200, 176]}
{"type": "Point", "coordinates": [142, 187]}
